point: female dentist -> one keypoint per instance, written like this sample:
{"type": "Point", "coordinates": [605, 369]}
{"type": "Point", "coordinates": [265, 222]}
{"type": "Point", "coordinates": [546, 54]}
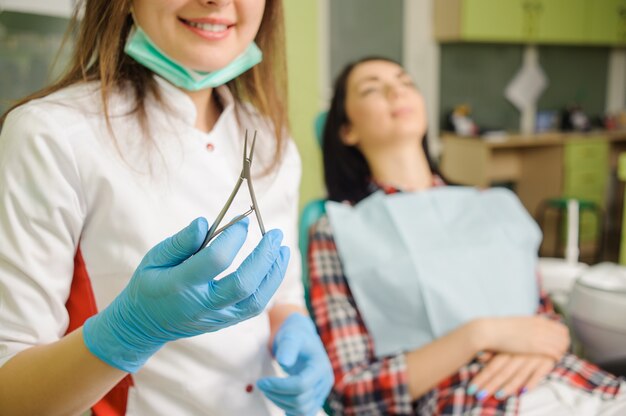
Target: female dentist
{"type": "Point", "coordinates": [143, 135]}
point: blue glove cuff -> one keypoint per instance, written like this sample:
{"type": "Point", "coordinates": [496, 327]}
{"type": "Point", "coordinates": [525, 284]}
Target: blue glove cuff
{"type": "Point", "coordinates": [114, 344]}
{"type": "Point", "coordinates": [296, 321]}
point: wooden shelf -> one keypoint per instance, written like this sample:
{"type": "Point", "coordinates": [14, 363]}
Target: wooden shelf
{"type": "Point", "coordinates": [535, 140]}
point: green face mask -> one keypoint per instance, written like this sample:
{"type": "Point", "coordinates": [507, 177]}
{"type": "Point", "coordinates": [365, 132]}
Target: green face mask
{"type": "Point", "coordinates": [143, 50]}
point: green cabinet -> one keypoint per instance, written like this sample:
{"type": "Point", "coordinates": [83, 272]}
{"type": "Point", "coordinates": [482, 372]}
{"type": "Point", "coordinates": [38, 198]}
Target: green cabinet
{"type": "Point", "coordinates": [488, 20]}
{"type": "Point", "coordinates": [531, 21]}
{"type": "Point", "coordinates": [556, 21]}
{"type": "Point", "coordinates": [606, 22]}
{"type": "Point", "coordinates": [586, 167]}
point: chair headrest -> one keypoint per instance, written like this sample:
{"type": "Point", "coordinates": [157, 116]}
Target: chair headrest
{"type": "Point", "coordinates": [319, 123]}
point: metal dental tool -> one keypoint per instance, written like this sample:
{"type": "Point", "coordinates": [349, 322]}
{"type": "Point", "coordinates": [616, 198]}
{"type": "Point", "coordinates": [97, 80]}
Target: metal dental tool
{"type": "Point", "coordinates": [245, 174]}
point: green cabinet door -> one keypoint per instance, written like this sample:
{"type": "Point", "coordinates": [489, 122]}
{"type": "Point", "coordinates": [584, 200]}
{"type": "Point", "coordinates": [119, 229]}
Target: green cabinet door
{"type": "Point", "coordinates": [586, 167]}
{"type": "Point", "coordinates": [493, 20]}
{"type": "Point", "coordinates": [606, 22]}
{"type": "Point", "coordinates": [540, 21]}
{"type": "Point", "coordinates": [599, 22]}
{"type": "Point", "coordinates": [559, 21]}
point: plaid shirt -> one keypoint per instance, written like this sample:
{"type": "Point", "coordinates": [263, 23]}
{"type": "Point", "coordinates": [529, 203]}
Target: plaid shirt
{"type": "Point", "coordinates": [366, 385]}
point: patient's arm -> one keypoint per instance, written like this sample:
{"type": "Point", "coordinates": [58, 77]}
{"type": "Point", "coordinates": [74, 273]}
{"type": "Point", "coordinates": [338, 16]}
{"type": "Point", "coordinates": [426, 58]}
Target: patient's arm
{"type": "Point", "coordinates": [507, 374]}
{"type": "Point", "coordinates": [530, 335]}
{"type": "Point", "coordinates": [363, 382]}
{"type": "Point", "coordinates": [432, 363]}
{"type": "Point", "coordinates": [525, 335]}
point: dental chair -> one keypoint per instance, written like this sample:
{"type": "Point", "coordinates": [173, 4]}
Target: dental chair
{"type": "Point", "coordinates": [597, 307]}
{"type": "Point", "coordinates": [311, 212]}
{"type": "Point", "coordinates": [597, 315]}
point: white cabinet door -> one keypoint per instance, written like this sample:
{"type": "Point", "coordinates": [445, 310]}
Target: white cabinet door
{"type": "Point", "coordinates": [60, 8]}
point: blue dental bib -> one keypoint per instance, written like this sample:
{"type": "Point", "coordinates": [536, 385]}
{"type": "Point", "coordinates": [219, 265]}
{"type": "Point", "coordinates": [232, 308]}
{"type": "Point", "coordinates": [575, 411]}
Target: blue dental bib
{"type": "Point", "coordinates": [421, 264]}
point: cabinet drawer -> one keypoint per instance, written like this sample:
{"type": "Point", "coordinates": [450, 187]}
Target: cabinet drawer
{"type": "Point", "coordinates": [588, 226]}
{"type": "Point", "coordinates": [585, 155]}
{"type": "Point", "coordinates": [585, 179]}
{"type": "Point", "coordinates": [586, 184]}
{"type": "Point", "coordinates": [595, 194]}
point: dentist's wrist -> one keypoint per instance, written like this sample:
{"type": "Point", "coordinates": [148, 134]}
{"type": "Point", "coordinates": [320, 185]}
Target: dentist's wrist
{"type": "Point", "coordinates": [116, 340]}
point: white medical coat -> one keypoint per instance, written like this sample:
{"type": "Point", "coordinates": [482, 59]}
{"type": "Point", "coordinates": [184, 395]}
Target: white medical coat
{"type": "Point", "coordinates": [67, 184]}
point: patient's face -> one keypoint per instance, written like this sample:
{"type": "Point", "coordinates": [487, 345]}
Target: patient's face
{"type": "Point", "coordinates": [383, 105]}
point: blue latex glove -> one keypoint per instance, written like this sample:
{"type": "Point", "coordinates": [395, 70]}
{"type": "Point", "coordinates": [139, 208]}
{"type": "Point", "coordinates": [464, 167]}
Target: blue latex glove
{"type": "Point", "coordinates": [172, 293]}
{"type": "Point", "coordinates": [299, 351]}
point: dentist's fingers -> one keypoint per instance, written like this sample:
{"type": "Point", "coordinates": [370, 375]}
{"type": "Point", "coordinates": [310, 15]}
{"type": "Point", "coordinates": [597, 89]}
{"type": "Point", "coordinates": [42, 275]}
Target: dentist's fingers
{"type": "Point", "coordinates": [297, 404]}
{"type": "Point", "coordinates": [177, 248]}
{"type": "Point", "coordinates": [247, 279]}
{"type": "Point", "coordinates": [257, 301]}
{"type": "Point", "coordinates": [206, 264]}
{"type": "Point", "coordinates": [292, 385]}
{"type": "Point", "coordinates": [287, 350]}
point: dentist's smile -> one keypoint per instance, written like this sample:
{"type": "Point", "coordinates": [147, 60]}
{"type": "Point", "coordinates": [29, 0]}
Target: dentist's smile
{"type": "Point", "coordinates": [208, 28]}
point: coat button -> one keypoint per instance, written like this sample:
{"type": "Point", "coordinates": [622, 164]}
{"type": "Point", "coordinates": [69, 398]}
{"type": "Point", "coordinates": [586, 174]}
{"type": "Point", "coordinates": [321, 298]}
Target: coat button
{"type": "Point", "coordinates": [249, 388]}
{"type": "Point", "coordinates": [210, 147]}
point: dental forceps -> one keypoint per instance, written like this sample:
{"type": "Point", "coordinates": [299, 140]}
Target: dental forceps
{"type": "Point", "coordinates": [244, 175]}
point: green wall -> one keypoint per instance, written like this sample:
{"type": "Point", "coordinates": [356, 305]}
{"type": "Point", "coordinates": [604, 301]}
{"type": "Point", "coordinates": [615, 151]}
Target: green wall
{"type": "Point", "coordinates": [477, 74]}
{"type": "Point", "coordinates": [360, 28]}
{"type": "Point", "coordinates": [577, 75]}
{"type": "Point", "coordinates": [303, 66]}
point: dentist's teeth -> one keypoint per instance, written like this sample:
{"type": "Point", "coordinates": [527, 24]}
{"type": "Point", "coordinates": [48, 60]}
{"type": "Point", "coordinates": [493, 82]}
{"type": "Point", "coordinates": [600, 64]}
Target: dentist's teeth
{"type": "Point", "coordinates": [208, 27]}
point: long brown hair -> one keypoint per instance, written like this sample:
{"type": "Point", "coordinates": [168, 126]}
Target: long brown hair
{"type": "Point", "coordinates": [98, 55]}
{"type": "Point", "coordinates": [347, 174]}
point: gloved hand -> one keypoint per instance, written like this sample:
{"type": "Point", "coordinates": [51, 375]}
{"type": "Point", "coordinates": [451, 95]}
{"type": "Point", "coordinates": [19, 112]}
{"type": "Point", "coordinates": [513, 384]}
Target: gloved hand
{"type": "Point", "coordinates": [299, 351]}
{"type": "Point", "coordinates": [172, 293]}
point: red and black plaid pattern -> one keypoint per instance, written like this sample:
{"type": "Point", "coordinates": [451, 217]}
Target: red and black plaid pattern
{"type": "Point", "coordinates": [366, 385]}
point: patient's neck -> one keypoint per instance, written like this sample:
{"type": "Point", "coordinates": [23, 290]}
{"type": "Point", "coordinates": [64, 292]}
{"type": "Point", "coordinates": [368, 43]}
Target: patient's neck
{"type": "Point", "coordinates": [404, 167]}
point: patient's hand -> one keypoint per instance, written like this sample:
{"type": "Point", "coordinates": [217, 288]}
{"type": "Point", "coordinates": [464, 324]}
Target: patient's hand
{"type": "Point", "coordinates": [509, 374]}
{"type": "Point", "coordinates": [526, 335]}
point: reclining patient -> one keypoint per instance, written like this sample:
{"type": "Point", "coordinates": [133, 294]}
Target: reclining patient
{"type": "Point", "coordinates": [426, 295]}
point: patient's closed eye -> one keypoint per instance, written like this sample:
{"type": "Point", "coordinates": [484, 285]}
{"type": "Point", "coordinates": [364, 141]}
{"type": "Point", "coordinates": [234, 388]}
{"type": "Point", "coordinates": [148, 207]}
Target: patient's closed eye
{"type": "Point", "coordinates": [372, 88]}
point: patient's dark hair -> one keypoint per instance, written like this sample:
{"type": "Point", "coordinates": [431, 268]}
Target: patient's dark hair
{"type": "Point", "coordinates": [346, 172]}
